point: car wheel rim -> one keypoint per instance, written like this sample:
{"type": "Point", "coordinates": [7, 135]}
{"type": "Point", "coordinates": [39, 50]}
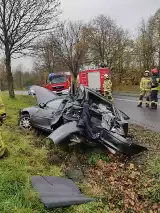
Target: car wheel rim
{"type": "Point", "coordinates": [25, 123]}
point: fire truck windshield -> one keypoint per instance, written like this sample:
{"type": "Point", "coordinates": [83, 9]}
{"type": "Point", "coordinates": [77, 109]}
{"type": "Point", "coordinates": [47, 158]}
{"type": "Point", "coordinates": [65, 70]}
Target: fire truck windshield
{"type": "Point", "coordinates": [59, 79]}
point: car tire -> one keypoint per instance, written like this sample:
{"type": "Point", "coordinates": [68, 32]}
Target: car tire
{"type": "Point", "coordinates": [25, 122]}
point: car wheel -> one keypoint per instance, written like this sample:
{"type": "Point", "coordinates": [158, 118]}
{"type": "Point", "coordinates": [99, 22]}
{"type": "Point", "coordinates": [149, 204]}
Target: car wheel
{"type": "Point", "coordinates": [25, 122]}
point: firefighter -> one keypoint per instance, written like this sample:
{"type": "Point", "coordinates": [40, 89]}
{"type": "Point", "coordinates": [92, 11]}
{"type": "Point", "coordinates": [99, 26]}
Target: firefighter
{"type": "Point", "coordinates": [145, 88]}
{"type": "Point", "coordinates": [107, 87]}
{"type": "Point", "coordinates": [2, 146]}
{"type": "Point", "coordinates": [155, 88]}
{"type": "Point", "coordinates": [2, 108]}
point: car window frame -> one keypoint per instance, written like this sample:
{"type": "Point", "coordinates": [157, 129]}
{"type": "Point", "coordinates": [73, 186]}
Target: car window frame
{"type": "Point", "coordinates": [53, 101]}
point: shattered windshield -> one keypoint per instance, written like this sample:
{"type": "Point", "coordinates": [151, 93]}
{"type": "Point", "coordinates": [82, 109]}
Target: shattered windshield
{"type": "Point", "coordinates": [59, 79]}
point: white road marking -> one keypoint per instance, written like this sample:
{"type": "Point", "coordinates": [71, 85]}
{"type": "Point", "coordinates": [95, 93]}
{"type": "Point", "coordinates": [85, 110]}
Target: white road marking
{"type": "Point", "coordinates": [133, 101]}
{"type": "Point", "coordinates": [125, 100]}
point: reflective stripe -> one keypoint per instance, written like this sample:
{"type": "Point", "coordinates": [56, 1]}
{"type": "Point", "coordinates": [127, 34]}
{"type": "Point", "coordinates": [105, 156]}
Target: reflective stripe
{"type": "Point", "coordinates": [156, 88]}
{"type": "Point", "coordinates": [147, 90]}
{"type": "Point", "coordinates": [2, 146]}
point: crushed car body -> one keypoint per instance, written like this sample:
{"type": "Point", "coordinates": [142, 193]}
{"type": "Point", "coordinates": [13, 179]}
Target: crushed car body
{"type": "Point", "coordinates": [83, 117]}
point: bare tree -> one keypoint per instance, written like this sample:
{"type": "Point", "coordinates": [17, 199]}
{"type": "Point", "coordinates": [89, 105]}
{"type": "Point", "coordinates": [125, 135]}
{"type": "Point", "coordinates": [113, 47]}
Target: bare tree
{"type": "Point", "coordinates": [108, 43]}
{"type": "Point", "coordinates": [103, 38]}
{"type": "Point", "coordinates": [45, 57]}
{"type": "Point", "coordinates": [70, 45]}
{"type": "Point", "coordinates": [154, 31]}
{"type": "Point", "coordinates": [21, 22]}
{"type": "Point", "coordinates": [144, 47]}
{"type": "Point", "coordinates": [120, 56]}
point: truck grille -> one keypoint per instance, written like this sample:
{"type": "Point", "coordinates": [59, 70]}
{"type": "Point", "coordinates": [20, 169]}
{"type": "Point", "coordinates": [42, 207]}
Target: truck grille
{"type": "Point", "coordinates": [58, 87]}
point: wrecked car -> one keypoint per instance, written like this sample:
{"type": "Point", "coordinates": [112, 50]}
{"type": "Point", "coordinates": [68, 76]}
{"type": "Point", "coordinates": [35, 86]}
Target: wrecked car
{"type": "Point", "coordinates": [81, 117]}
{"type": "Point", "coordinates": [47, 111]}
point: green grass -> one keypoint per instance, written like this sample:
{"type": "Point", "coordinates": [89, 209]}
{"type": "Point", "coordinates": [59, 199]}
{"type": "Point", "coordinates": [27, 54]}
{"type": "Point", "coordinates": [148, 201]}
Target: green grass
{"type": "Point", "coordinates": [28, 156]}
{"type": "Point", "coordinates": [25, 160]}
{"type": "Point", "coordinates": [126, 88]}
{"type": "Point", "coordinates": [16, 194]}
{"type": "Point", "coordinates": [93, 158]}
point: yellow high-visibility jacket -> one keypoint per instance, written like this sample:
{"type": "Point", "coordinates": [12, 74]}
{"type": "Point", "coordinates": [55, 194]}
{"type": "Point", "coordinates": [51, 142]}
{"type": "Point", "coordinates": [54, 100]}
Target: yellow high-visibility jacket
{"type": "Point", "coordinates": [156, 84]}
{"type": "Point", "coordinates": [2, 146]}
{"type": "Point", "coordinates": [2, 108]}
{"type": "Point", "coordinates": [107, 85]}
{"type": "Point", "coordinates": [146, 84]}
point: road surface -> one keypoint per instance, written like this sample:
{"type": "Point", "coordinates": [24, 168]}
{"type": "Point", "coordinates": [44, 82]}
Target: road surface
{"type": "Point", "coordinates": [143, 116]}
{"type": "Point", "coordinates": [21, 92]}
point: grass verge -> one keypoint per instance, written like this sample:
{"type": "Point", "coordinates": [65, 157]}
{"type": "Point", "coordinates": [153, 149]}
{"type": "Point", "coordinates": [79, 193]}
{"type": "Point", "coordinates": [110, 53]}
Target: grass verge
{"type": "Point", "coordinates": [120, 184]}
{"type": "Point", "coordinates": [127, 88]}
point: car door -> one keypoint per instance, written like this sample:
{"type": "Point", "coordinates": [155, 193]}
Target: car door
{"type": "Point", "coordinates": [43, 118]}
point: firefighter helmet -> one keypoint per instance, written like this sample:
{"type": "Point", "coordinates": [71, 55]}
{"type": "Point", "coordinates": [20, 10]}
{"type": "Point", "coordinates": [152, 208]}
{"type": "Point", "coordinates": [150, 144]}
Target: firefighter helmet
{"type": "Point", "coordinates": [155, 71]}
{"type": "Point", "coordinates": [106, 76]}
{"type": "Point", "coordinates": [146, 73]}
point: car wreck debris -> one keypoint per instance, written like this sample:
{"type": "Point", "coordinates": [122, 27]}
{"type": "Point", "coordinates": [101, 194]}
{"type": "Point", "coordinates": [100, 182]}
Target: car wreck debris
{"type": "Point", "coordinates": [85, 123]}
{"type": "Point", "coordinates": [58, 192]}
{"type": "Point", "coordinates": [85, 113]}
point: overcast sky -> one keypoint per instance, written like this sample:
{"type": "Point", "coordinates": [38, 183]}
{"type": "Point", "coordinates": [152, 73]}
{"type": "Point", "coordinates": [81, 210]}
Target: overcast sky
{"type": "Point", "coordinates": [127, 14]}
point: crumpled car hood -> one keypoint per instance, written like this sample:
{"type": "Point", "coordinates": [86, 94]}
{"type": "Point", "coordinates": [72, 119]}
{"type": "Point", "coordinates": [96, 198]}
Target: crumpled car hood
{"type": "Point", "coordinates": [43, 95]}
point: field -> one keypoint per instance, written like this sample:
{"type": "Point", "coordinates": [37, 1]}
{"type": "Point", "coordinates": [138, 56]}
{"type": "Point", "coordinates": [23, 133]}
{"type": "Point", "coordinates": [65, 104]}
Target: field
{"type": "Point", "coordinates": [119, 184]}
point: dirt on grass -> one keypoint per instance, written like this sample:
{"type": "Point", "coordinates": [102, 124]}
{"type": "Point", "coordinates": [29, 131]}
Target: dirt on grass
{"type": "Point", "coordinates": [122, 184]}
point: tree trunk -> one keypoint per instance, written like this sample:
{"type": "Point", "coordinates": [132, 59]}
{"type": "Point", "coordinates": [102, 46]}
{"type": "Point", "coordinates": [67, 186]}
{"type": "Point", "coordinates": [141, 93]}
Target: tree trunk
{"type": "Point", "coordinates": [21, 80]}
{"type": "Point", "coordinates": [2, 85]}
{"type": "Point", "coordinates": [9, 76]}
{"type": "Point", "coordinates": [73, 83]}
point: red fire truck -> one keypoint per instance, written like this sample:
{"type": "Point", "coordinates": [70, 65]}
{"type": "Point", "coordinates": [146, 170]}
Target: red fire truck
{"type": "Point", "coordinates": [60, 83]}
{"type": "Point", "coordinates": [92, 78]}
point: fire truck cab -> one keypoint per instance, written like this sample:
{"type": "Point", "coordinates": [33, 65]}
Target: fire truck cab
{"type": "Point", "coordinates": [59, 83]}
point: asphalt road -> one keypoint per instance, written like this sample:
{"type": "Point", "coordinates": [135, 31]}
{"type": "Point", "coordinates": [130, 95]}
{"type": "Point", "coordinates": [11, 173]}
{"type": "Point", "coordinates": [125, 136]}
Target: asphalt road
{"type": "Point", "coordinates": [145, 117]}
{"type": "Point", "coordinates": [128, 103]}
{"type": "Point", "coordinates": [21, 92]}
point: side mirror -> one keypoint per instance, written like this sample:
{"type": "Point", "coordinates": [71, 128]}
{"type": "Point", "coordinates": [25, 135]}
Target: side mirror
{"type": "Point", "coordinates": [42, 105]}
